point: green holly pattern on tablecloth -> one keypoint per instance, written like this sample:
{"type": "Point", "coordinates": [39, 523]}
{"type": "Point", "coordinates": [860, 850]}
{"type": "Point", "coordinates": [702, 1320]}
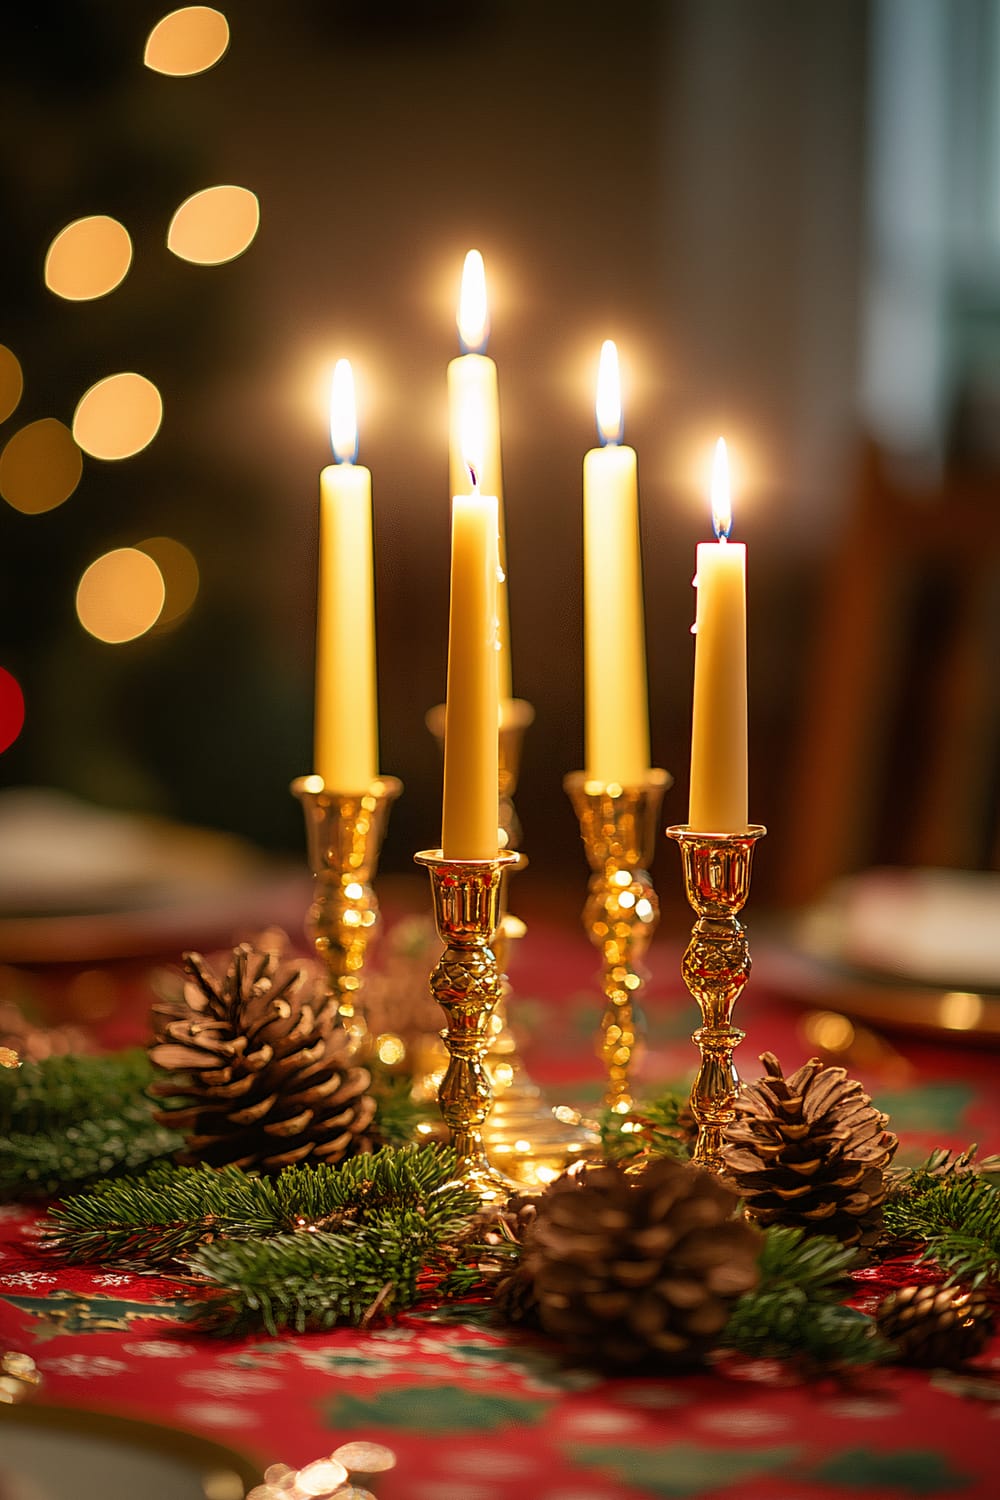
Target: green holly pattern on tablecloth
{"type": "Point", "coordinates": [432, 1408]}
{"type": "Point", "coordinates": [91, 1312]}
{"type": "Point", "coordinates": [683, 1469]}
{"type": "Point", "coordinates": [913, 1471]}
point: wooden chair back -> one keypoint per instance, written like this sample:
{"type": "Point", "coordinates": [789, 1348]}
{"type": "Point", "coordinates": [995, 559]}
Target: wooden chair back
{"type": "Point", "coordinates": [900, 743]}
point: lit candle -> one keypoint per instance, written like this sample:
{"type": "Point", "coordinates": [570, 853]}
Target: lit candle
{"type": "Point", "coordinates": [471, 816]}
{"type": "Point", "coordinates": [346, 726]}
{"type": "Point", "coordinates": [474, 426]}
{"type": "Point", "coordinates": [719, 726]}
{"type": "Point", "coordinates": [616, 699]}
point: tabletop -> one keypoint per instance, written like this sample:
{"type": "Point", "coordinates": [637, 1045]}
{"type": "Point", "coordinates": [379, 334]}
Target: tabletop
{"type": "Point", "coordinates": [473, 1411]}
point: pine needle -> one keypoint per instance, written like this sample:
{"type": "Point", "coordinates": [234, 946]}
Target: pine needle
{"type": "Point", "coordinates": [953, 1210]}
{"type": "Point", "coordinates": [167, 1214]}
{"type": "Point", "coordinates": [69, 1120]}
{"type": "Point", "coordinates": [796, 1311]}
{"type": "Point", "coordinates": [651, 1128]}
{"type": "Point", "coordinates": [322, 1280]}
{"type": "Point", "coordinates": [43, 1096]}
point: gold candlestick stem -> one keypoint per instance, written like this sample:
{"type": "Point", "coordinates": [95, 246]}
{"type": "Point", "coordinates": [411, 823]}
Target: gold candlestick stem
{"type": "Point", "coordinates": [618, 828]}
{"type": "Point", "coordinates": [716, 967]}
{"type": "Point", "coordinates": [467, 983]}
{"type": "Point", "coordinates": [534, 1141]}
{"type": "Point", "coordinates": [344, 833]}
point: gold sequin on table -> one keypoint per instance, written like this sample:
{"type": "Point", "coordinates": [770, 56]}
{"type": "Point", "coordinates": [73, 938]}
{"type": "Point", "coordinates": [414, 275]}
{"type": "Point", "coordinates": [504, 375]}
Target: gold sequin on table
{"type": "Point", "coordinates": [19, 1378]}
{"type": "Point", "coordinates": [329, 1478]}
{"type": "Point", "coordinates": [365, 1458]}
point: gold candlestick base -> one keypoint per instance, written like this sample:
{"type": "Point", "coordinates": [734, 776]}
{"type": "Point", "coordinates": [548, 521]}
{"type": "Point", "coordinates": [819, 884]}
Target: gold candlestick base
{"type": "Point", "coordinates": [618, 828]}
{"type": "Point", "coordinates": [467, 984]}
{"type": "Point", "coordinates": [344, 833]}
{"type": "Point", "coordinates": [716, 967]}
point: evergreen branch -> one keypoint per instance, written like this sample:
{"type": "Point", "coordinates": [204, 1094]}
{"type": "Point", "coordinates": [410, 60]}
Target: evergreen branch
{"type": "Point", "coordinates": [171, 1211]}
{"type": "Point", "coordinates": [654, 1128]}
{"type": "Point", "coordinates": [68, 1120]}
{"type": "Point", "coordinates": [954, 1213]}
{"type": "Point", "coordinates": [320, 1280]}
{"type": "Point", "coordinates": [48, 1164]}
{"type": "Point", "coordinates": [398, 1114]}
{"type": "Point", "coordinates": [941, 1165]}
{"type": "Point", "coordinates": [309, 1282]}
{"type": "Point", "coordinates": [43, 1097]}
{"type": "Point", "coordinates": [796, 1310]}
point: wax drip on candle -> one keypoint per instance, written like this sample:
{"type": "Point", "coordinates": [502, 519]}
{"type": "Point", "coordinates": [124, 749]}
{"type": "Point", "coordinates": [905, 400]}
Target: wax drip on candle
{"type": "Point", "coordinates": [722, 509]}
{"type": "Point", "coordinates": [473, 309]}
{"type": "Point", "coordinates": [343, 414]}
{"type": "Point", "coordinates": [608, 407]}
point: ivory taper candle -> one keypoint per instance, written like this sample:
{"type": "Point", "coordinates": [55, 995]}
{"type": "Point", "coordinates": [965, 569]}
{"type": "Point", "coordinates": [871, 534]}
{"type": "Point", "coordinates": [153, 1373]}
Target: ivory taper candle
{"type": "Point", "coordinates": [470, 817]}
{"type": "Point", "coordinates": [719, 722]}
{"type": "Point", "coordinates": [616, 711]}
{"type": "Point", "coordinates": [474, 427]}
{"type": "Point", "coordinates": [346, 715]}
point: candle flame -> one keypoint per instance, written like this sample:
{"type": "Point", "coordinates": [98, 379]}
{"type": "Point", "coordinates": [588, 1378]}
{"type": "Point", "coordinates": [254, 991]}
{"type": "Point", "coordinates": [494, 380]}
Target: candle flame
{"type": "Point", "coordinates": [610, 422]}
{"type": "Point", "coordinates": [722, 509]}
{"type": "Point", "coordinates": [343, 416]}
{"type": "Point", "coordinates": [473, 309]}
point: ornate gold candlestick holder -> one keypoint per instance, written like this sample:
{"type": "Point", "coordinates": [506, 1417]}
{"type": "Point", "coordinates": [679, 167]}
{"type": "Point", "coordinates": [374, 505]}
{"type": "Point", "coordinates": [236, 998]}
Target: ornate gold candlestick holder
{"type": "Point", "coordinates": [618, 827]}
{"type": "Point", "coordinates": [344, 832]}
{"type": "Point", "coordinates": [534, 1141]}
{"type": "Point", "coordinates": [467, 984]}
{"type": "Point", "coordinates": [716, 967]}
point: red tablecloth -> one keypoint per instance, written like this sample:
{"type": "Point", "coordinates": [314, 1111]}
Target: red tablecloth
{"type": "Point", "coordinates": [476, 1414]}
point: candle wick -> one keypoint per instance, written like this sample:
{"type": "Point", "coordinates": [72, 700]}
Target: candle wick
{"type": "Point", "coordinates": [473, 475]}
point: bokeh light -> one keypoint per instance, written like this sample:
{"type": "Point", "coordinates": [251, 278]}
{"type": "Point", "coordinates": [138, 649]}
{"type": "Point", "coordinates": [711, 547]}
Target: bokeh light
{"type": "Point", "coordinates": [187, 41]}
{"type": "Point", "coordinates": [179, 571]}
{"type": "Point", "coordinates": [11, 382]}
{"type": "Point", "coordinates": [214, 225]}
{"type": "Point", "coordinates": [117, 417]}
{"type": "Point", "coordinates": [11, 709]}
{"type": "Point", "coordinates": [40, 467]}
{"type": "Point", "coordinates": [120, 595]}
{"type": "Point", "coordinates": [89, 258]}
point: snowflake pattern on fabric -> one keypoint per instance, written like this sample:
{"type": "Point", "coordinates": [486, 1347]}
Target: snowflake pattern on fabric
{"type": "Point", "coordinates": [82, 1365]}
{"type": "Point", "coordinates": [28, 1279]}
{"type": "Point", "coordinates": [229, 1382]}
{"type": "Point", "coordinates": [217, 1415]}
{"type": "Point", "coordinates": [159, 1349]}
{"type": "Point", "coordinates": [113, 1278]}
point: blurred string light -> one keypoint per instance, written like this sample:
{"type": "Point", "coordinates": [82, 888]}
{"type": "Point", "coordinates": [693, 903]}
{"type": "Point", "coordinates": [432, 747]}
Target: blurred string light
{"type": "Point", "coordinates": [118, 417]}
{"type": "Point", "coordinates": [40, 467]}
{"type": "Point", "coordinates": [120, 595]}
{"type": "Point", "coordinates": [11, 709]}
{"type": "Point", "coordinates": [181, 579]}
{"type": "Point", "coordinates": [11, 382]}
{"type": "Point", "coordinates": [214, 225]}
{"type": "Point", "coordinates": [126, 592]}
{"type": "Point", "coordinates": [88, 259]}
{"type": "Point", "coordinates": [187, 41]}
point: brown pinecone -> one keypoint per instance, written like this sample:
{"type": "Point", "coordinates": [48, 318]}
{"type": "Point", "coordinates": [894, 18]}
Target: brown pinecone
{"type": "Point", "coordinates": [809, 1151]}
{"type": "Point", "coordinates": [513, 1290]}
{"type": "Point", "coordinates": [626, 1269]}
{"type": "Point", "coordinates": [255, 1051]}
{"type": "Point", "coordinates": [936, 1325]}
